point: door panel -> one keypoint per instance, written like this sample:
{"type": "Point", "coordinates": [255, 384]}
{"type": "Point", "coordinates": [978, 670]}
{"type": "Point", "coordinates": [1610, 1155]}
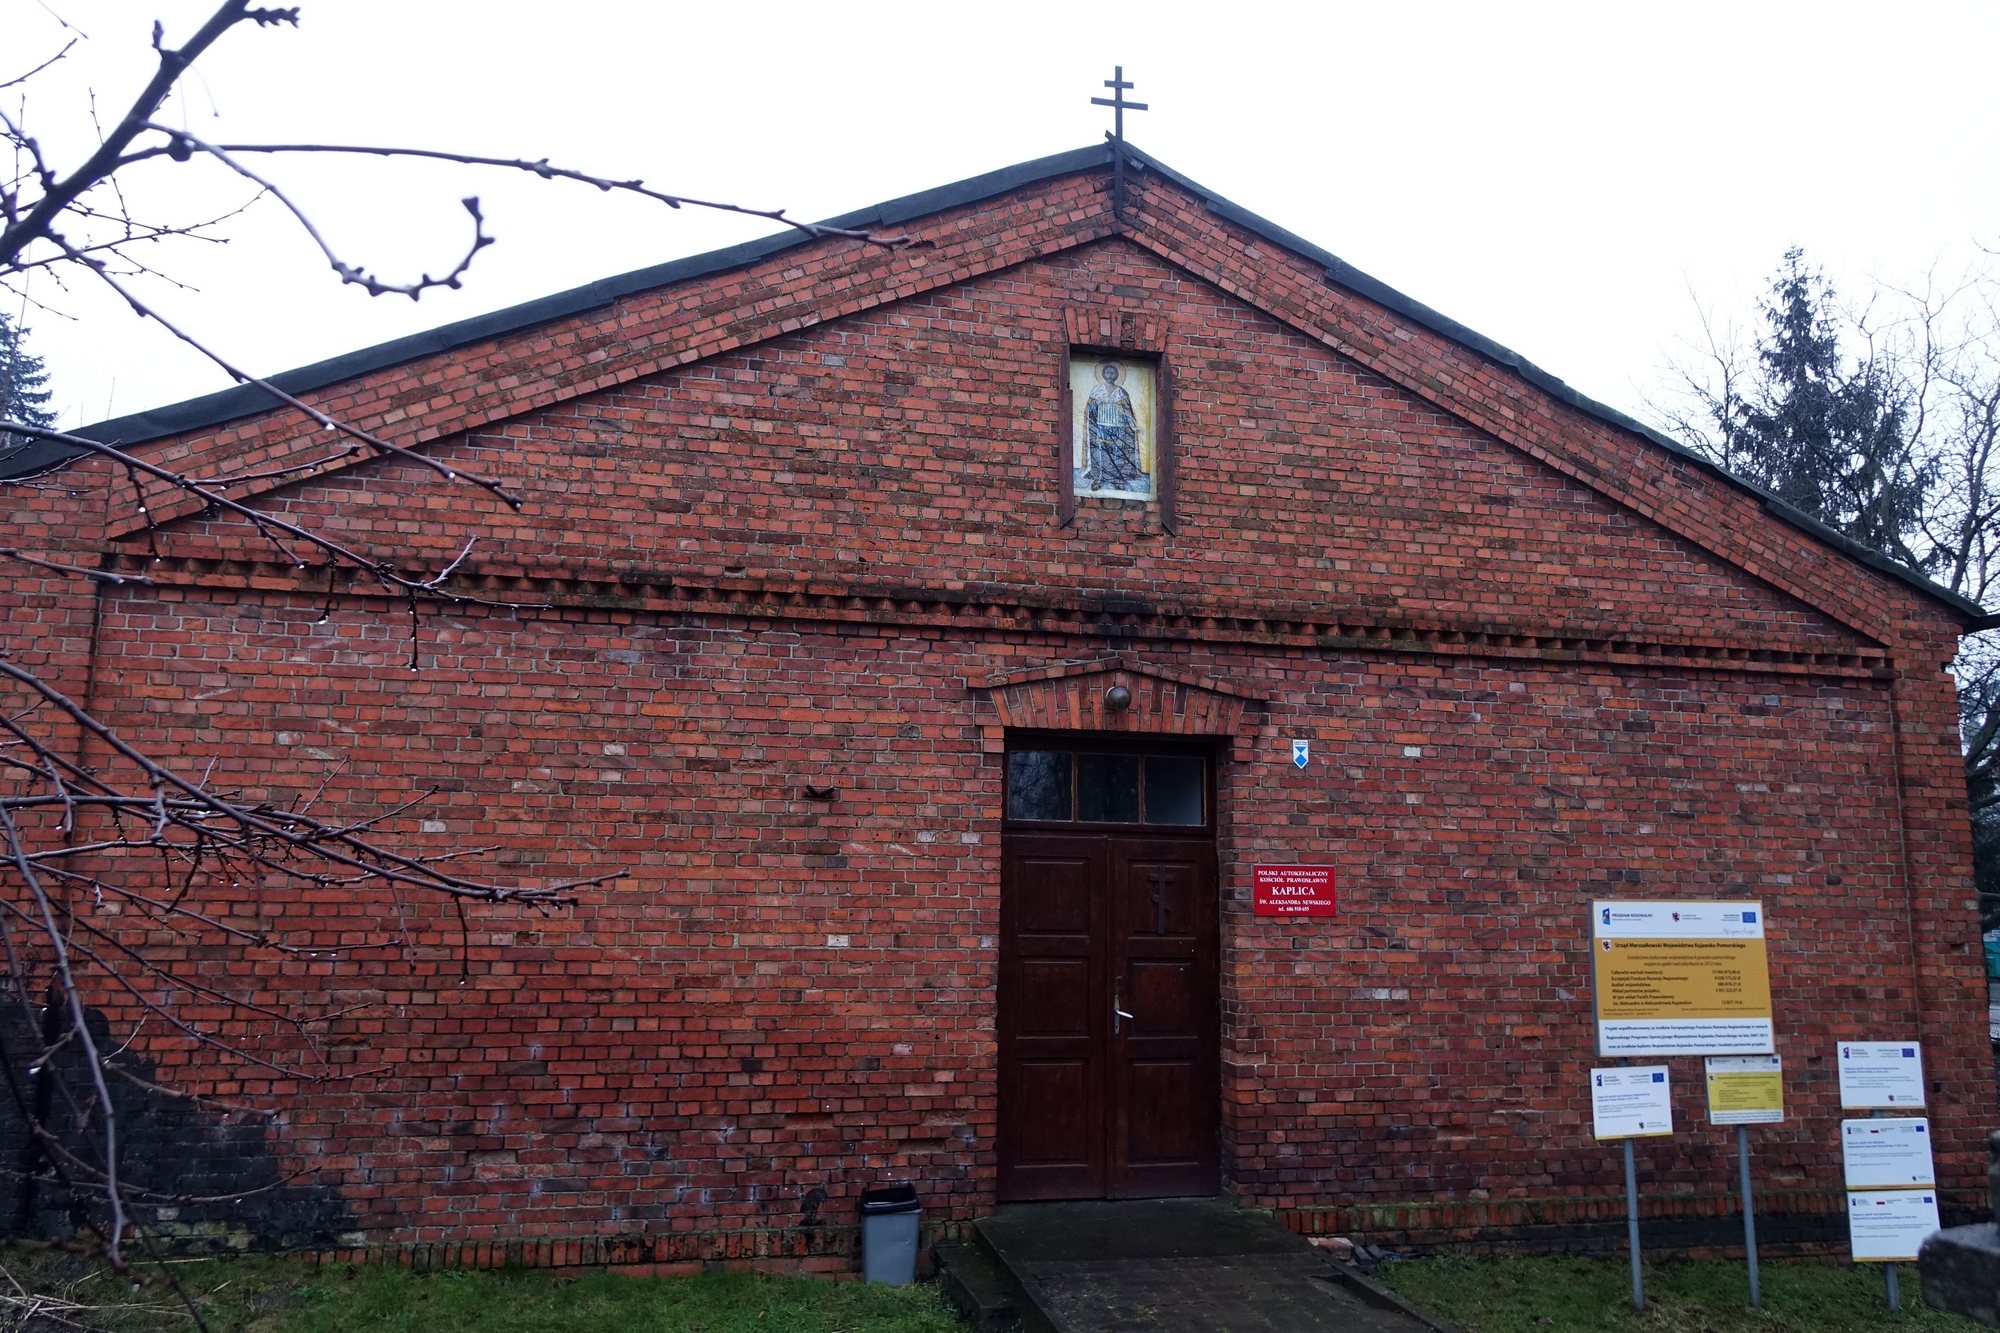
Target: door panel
{"type": "Point", "coordinates": [1158, 894]}
{"type": "Point", "coordinates": [1162, 1133]}
{"type": "Point", "coordinates": [1093, 1105]}
{"type": "Point", "coordinates": [1052, 1130]}
{"type": "Point", "coordinates": [1053, 998]}
{"type": "Point", "coordinates": [1165, 1066]}
{"type": "Point", "coordinates": [1052, 892]}
{"type": "Point", "coordinates": [1163, 999]}
{"type": "Point", "coordinates": [1058, 1136]}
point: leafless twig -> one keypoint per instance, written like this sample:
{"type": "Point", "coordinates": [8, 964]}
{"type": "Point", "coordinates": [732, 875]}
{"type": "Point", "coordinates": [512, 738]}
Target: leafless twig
{"type": "Point", "coordinates": [543, 168]}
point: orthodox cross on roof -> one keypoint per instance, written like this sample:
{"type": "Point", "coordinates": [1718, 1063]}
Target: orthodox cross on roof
{"type": "Point", "coordinates": [1119, 106]}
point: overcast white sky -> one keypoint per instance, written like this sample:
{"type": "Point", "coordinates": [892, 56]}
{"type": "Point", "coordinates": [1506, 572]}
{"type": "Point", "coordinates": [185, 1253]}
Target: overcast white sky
{"type": "Point", "coordinates": [1555, 176]}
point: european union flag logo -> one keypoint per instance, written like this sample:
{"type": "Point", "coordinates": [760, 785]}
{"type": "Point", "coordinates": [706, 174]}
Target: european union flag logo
{"type": "Point", "coordinates": [1659, 1078]}
{"type": "Point", "coordinates": [1750, 918]}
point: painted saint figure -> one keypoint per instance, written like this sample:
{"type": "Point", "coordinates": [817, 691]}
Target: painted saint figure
{"type": "Point", "coordinates": [1111, 435]}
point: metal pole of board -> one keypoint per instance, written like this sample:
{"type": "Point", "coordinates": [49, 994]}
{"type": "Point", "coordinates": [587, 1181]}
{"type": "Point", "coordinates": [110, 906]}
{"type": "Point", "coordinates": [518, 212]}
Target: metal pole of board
{"type": "Point", "coordinates": [1632, 1225]}
{"type": "Point", "coordinates": [1890, 1287]}
{"type": "Point", "coordinates": [1749, 1216]}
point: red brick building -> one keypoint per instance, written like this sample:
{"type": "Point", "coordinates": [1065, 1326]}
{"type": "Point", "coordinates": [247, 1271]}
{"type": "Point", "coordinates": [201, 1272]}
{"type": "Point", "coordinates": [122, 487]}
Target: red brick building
{"type": "Point", "coordinates": [822, 562]}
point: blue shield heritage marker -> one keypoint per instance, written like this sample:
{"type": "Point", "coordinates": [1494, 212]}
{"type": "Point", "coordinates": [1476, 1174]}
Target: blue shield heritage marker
{"type": "Point", "coordinates": [1300, 751]}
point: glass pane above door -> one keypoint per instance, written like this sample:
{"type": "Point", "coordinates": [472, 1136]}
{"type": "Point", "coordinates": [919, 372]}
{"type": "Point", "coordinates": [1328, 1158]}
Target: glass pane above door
{"type": "Point", "coordinates": [1174, 789]}
{"type": "Point", "coordinates": [1039, 784]}
{"type": "Point", "coordinates": [1104, 787]}
{"type": "Point", "coordinates": [1107, 788]}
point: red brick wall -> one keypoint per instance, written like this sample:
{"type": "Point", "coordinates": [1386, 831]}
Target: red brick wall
{"type": "Point", "coordinates": [48, 615]}
{"type": "Point", "coordinates": [689, 1050]}
{"type": "Point", "coordinates": [795, 562]}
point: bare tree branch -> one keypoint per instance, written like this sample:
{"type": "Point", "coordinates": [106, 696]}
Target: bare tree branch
{"type": "Point", "coordinates": [180, 141]}
{"type": "Point", "coordinates": [540, 167]}
{"type": "Point", "coordinates": [23, 78]}
{"type": "Point", "coordinates": [33, 224]}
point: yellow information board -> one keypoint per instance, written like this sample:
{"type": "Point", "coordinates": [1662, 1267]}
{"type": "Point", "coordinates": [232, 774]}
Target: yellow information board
{"type": "Point", "coordinates": [1680, 978]}
{"type": "Point", "coordinates": [1745, 1090]}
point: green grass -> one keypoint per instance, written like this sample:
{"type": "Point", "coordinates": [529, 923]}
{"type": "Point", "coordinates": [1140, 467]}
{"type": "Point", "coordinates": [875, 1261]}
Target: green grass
{"type": "Point", "coordinates": [265, 1295]}
{"type": "Point", "coordinates": [1560, 1294]}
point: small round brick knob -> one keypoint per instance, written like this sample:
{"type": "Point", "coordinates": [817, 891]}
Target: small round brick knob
{"type": "Point", "coordinates": [1118, 698]}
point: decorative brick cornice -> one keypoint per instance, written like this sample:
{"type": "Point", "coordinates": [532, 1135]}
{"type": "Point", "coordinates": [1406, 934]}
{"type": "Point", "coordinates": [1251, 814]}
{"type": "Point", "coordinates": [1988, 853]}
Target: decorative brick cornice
{"type": "Point", "coordinates": [1078, 613]}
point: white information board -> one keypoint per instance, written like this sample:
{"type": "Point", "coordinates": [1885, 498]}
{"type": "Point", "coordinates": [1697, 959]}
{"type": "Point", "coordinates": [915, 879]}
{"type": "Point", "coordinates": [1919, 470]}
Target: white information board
{"type": "Point", "coordinates": [1886, 1154]}
{"type": "Point", "coordinates": [1890, 1225]}
{"type": "Point", "coordinates": [1631, 1103]}
{"type": "Point", "coordinates": [1880, 1075]}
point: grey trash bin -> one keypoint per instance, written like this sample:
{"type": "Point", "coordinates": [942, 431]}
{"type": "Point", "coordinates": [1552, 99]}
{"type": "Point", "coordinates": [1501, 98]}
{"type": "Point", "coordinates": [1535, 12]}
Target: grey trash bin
{"type": "Point", "coordinates": [889, 1226]}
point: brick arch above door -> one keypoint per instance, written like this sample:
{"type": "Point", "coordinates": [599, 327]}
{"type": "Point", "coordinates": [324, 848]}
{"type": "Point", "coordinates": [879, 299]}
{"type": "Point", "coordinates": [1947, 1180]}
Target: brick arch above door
{"type": "Point", "coordinates": [1070, 696]}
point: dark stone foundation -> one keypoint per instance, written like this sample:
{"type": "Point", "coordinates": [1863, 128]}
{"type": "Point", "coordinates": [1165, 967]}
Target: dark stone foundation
{"type": "Point", "coordinates": [1961, 1265]}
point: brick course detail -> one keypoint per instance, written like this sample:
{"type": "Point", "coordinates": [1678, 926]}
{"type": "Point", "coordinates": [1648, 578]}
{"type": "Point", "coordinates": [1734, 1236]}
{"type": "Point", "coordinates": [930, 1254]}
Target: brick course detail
{"type": "Point", "coordinates": [794, 525]}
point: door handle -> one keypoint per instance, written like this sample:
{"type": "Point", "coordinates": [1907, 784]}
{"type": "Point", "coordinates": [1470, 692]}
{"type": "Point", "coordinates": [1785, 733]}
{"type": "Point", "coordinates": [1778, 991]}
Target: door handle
{"type": "Point", "coordinates": [1117, 990]}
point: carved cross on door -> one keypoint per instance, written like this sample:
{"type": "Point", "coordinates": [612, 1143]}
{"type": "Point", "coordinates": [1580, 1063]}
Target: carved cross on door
{"type": "Point", "coordinates": [1161, 880]}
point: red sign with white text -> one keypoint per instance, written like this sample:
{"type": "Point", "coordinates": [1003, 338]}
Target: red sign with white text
{"type": "Point", "coordinates": [1294, 891]}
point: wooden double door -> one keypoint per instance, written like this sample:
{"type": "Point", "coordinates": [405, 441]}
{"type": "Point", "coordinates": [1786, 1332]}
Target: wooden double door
{"type": "Point", "coordinates": [1109, 1024]}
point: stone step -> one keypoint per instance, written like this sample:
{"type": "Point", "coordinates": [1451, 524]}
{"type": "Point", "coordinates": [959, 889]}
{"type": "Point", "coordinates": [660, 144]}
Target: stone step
{"type": "Point", "coordinates": [977, 1284]}
{"type": "Point", "coordinates": [1177, 1266]}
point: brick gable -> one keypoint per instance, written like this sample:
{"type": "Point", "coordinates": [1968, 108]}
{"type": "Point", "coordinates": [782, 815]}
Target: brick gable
{"type": "Point", "coordinates": [646, 332]}
{"type": "Point", "coordinates": [896, 451]}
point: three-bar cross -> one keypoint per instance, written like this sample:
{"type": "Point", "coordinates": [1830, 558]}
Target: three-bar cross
{"type": "Point", "coordinates": [1119, 106]}
{"type": "Point", "coordinates": [1161, 880]}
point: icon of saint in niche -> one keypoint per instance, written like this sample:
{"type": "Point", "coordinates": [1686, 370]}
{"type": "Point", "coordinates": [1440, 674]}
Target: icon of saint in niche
{"type": "Point", "coordinates": [1113, 403]}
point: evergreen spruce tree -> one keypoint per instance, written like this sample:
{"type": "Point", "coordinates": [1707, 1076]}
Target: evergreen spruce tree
{"type": "Point", "coordinates": [24, 392]}
{"type": "Point", "coordinates": [1831, 438]}
{"type": "Point", "coordinates": [1837, 435]}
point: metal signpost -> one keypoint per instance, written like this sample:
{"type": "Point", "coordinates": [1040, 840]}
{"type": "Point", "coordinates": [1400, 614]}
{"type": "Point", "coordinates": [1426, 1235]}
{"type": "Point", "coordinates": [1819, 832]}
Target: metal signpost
{"type": "Point", "coordinates": [1745, 1090]}
{"type": "Point", "coordinates": [1891, 1183]}
{"type": "Point", "coordinates": [1629, 1103]}
{"type": "Point", "coordinates": [1684, 978]}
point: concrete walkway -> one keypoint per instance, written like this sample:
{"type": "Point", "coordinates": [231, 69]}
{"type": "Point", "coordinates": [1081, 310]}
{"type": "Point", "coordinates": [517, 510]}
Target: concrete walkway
{"type": "Point", "coordinates": [1177, 1264]}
